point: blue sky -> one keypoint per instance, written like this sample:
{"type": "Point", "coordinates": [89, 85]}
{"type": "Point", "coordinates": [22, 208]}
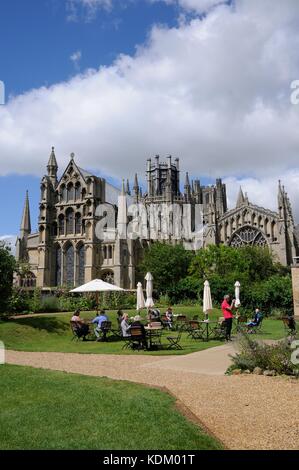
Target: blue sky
{"type": "Point", "coordinates": [119, 81]}
{"type": "Point", "coordinates": [37, 40]}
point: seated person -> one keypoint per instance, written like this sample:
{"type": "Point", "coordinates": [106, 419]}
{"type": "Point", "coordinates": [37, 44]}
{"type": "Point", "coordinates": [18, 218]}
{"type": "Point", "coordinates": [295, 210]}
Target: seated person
{"type": "Point", "coordinates": [125, 326]}
{"type": "Point", "coordinates": [99, 319]}
{"type": "Point", "coordinates": [82, 328]}
{"type": "Point", "coordinates": [258, 316]}
{"type": "Point", "coordinates": [154, 315]}
{"type": "Point", "coordinates": [169, 317]}
{"type": "Point", "coordinates": [137, 322]}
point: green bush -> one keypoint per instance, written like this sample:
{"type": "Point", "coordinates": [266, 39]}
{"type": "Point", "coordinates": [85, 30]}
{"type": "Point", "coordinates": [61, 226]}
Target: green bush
{"type": "Point", "coordinates": [19, 301]}
{"type": "Point", "coordinates": [7, 267]}
{"type": "Point", "coordinates": [275, 357]}
{"type": "Point", "coordinates": [35, 301]}
{"type": "Point", "coordinates": [117, 300]}
{"type": "Point", "coordinates": [270, 294]}
{"type": "Point", "coordinates": [50, 304]}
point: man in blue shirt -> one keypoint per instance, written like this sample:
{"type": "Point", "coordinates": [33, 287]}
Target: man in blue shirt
{"type": "Point", "coordinates": [258, 317]}
{"type": "Point", "coordinates": [99, 320]}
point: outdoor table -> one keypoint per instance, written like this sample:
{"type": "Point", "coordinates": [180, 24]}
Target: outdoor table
{"type": "Point", "coordinates": [207, 323]}
{"type": "Point", "coordinates": [152, 331]}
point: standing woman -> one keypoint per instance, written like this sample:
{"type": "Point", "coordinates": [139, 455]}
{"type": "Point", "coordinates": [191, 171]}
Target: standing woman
{"type": "Point", "coordinates": [227, 310]}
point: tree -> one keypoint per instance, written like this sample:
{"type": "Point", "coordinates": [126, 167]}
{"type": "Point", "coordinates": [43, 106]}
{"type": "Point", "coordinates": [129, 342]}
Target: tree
{"type": "Point", "coordinates": [7, 267]}
{"type": "Point", "coordinates": [167, 263]}
{"type": "Point", "coordinates": [252, 266]}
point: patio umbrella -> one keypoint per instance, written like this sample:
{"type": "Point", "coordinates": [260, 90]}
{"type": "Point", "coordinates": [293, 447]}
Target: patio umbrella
{"type": "Point", "coordinates": [97, 285]}
{"type": "Point", "coordinates": [237, 294]}
{"type": "Point", "coordinates": [207, 300]}
{"type": "Point", "coordinates": [140, 297]}
{"type": "Point", "coordinates": [149, 290]}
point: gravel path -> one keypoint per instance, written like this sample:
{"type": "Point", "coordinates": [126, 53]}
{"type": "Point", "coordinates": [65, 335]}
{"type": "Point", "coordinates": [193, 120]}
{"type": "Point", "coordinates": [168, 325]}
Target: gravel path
{"type": "Point", "coordinates": [244, 412]}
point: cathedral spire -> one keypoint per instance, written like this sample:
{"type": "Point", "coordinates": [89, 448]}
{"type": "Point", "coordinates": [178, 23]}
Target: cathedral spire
{"type": "Point", "coordinates": [25, 228]}
{"type": "Point", "coordinates": [128, 188]}
{"type": "Point", "coordinates": [123, 188]}
{"type": "Point", "coordinates": [52, 168]}
{"type": "Point", "coordinates": [187, 181]}
{"type": "Point", "coordinates": [136, 186]}
{"type": "Point", "coordinates": [241, 198]}
{"type": "Point", "coordinates": [281, 205]}
{"type": "Point", "coordinates": [187, 188]}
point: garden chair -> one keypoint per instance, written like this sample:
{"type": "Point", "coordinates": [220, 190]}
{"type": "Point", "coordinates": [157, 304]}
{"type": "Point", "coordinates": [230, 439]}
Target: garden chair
{"type": "Point", "coordinates": [181, 322]}
{"type": "Point", "coordinates": [174, 341]}
{"type": "Point", "coordinates": [219, 331]}
{"type": "Point", "coordinates": [77, 332]}
{"type": "Point", "coordinates": [241, 324]}
{"type": "Point", "coordinates": [106, 328]}
{"type": "Point", "coordinates": [136, 340]}
{"type": "Point", "coordinates": [164, 321]}
{"type": "Point", "coordinates": [195, 330]}
{"type": "Point", "coordinates": [255, 328]}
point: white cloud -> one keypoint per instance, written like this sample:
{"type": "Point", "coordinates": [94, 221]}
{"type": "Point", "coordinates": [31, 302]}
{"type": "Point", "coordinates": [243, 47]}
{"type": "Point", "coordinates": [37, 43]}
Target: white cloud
{"type": "Point", "coordinates": [75, 58]}
{"type": "Point", "coordinates": [10, 241]}
{"type": "Point", "coordinates": [214, 91]}
{"type": "Point", "coordinates": [89, 8]}
{"type": "Point", "coordinates": [199, 6]}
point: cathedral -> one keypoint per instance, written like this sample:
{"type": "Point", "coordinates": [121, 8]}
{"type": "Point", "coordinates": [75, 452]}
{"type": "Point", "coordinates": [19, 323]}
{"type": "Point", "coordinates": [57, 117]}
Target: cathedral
{"type": "Point", "coordinates": [67, 251]}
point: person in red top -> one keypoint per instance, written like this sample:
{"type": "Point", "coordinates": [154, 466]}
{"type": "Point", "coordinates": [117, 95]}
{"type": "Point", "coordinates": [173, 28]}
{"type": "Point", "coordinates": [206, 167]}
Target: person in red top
{"type": "Point", "coordinates": [227, 309]}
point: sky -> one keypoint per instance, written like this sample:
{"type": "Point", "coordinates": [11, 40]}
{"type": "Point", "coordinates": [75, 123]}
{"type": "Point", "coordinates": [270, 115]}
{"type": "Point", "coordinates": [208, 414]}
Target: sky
{"type": "Point", "coordinates": [119, 81]}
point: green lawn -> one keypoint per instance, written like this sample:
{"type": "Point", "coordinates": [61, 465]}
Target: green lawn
{"type": "Point", "coordinates": [51, 332]}
{"type": "Point", "coordinates": [54, 410]}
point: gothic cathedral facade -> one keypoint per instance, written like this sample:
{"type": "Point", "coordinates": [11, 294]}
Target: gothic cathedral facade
{"type": "Point", "coordinates": [67, 251]}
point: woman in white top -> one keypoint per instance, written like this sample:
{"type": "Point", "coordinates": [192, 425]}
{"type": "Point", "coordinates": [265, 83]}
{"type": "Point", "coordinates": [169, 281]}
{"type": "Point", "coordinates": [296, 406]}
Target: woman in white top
{"type": "Point", "coordinates": [125, 327]}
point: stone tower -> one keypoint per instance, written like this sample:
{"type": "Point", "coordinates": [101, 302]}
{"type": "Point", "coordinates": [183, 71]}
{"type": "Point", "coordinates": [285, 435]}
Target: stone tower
{"type": "Point", "coordinates": [25, 231]}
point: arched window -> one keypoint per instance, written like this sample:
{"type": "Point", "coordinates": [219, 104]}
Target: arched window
{"type": "Point", "coordinates": [70, 192]}
{"type": "Point", "coordinates": [89, 183]}
{"type": "Point", "coordinates": [69, 222]}
{"type": "Point", "coordinates": [63, 193]}
{"type": "Point", "coordinates": [81, 264]}
{"type": "Point", "coordinates": [61, 225]}
{"type": "Point", "coordinates": [78, 223]}
{"type": "Point", "coordinates": [110, 252]}
{"type": "Point", "coordinates": [69, 265]}
{"type": "Point", "coordinates": [54, 229]}
{"type": "Point", "coordinates": [58, 266]}
{"type": "Point", "coordinates": [248, 236]}
{"type": "Point", "coordinates": [41, 233]}
{"type": "Point", "coordinates": [43, 192]}
{"type": "Point", "coordinates": [77, 191]}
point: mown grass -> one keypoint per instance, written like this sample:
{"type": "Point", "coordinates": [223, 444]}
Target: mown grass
{"type": "Point", "coordinates": [51, 332]}
{"type": "Point", "coordinates": [55, 410]}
